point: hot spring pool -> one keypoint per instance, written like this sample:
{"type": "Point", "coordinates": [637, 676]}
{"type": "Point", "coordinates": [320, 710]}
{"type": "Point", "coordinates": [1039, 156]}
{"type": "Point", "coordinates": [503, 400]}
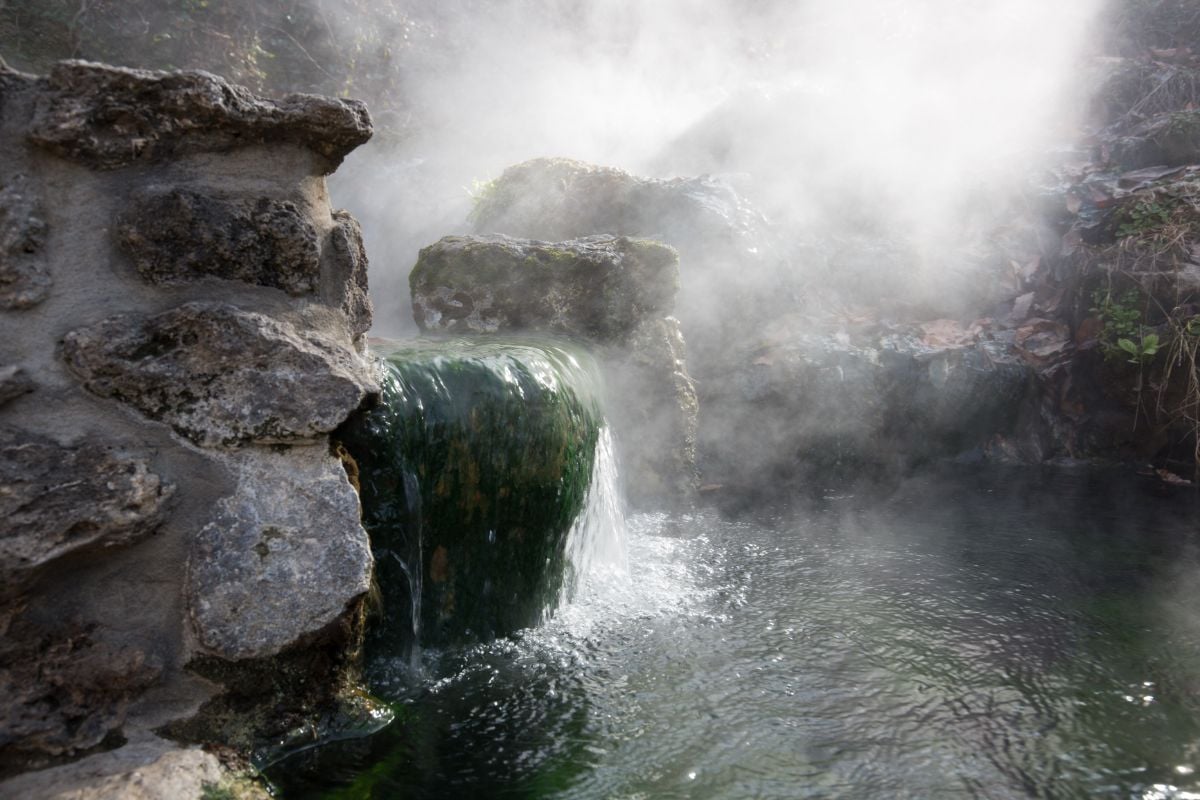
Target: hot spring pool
{"type": "Point", "coordinates": [995, 634]}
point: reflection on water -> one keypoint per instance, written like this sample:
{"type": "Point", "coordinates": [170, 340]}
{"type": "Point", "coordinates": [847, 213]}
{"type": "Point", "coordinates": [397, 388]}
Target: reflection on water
{"type": "Point", "coordinates": [993, 635]}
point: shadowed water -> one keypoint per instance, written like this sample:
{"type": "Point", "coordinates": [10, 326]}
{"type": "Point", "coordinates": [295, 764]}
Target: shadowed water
{"type": "Point", "coordinates": [993, 635]}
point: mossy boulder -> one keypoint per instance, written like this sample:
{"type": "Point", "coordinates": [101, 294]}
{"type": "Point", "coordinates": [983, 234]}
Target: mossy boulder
{"type": "Point", "coordinates": [598, 287]}
{"type": "Point", "coordinates": [472, 470]}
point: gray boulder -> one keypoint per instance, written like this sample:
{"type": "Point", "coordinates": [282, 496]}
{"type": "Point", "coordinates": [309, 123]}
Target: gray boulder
{"type": "Point", "coordinates": [731, 261]}
{"type": "Point", "coordinates": [282, 559]}
{"type": "Point", "coordinates": [107, 117]}
{"type": "Point", "coordinates": [219, 375]}
{"type": "Point", "coordinates": [558, 198]}
{"type": "Point", "coordinates": [177, 235]}
{"type": "Point", "coordinates": [654, 408]}
{"type": "Point", "coordinates": [808, 408]}
{"type": "Point", "coordinates": [598, 287]}
{"type": "Point", "coordinates": [58, 500]}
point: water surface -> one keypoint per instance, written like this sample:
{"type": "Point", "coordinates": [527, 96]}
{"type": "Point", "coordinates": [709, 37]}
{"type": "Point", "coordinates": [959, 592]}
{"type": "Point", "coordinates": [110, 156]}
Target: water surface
{"type": "Point", "coordinates": [994, 634]}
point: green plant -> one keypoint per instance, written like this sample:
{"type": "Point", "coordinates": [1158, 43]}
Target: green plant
{"type": "Point", "coordinates": [1141, 350]}
{"type": "Point", "coordinates": [1143, 216]}
{"type": "Point", "coordinates": [1121, 325]}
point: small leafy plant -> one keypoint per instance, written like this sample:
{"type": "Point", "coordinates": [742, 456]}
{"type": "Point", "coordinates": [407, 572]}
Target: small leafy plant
{"type": "Point", "coordinates": [1143, 216]}
{"type": "Point", "coordinates": [1142, 350]}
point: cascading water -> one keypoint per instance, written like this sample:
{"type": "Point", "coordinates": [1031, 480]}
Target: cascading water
{"type": "Point", "coordinates": [489, 485]}
{"type": "Point", "coordinates": [597, 542]}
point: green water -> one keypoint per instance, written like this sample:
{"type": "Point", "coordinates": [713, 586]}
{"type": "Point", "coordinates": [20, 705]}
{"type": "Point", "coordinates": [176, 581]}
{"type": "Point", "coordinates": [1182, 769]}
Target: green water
{"type": "Point", "coordinates": [993, 634]}
{"type": "Point", "coordinates": [472, 470]}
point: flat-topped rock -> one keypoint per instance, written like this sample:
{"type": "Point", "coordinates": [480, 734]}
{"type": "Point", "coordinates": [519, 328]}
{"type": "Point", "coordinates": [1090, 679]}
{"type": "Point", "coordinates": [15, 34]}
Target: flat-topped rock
{"type": "Point", "coordinates": [597, 287]}
{"type": "Point", "coordinates": [219, 375]}
{"type": "Point", "coordinates": [108, 117]}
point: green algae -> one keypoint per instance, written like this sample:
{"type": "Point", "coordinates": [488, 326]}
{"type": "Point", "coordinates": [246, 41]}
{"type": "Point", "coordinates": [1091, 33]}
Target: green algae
{"type": "Point", "coordinates": [472, 469]}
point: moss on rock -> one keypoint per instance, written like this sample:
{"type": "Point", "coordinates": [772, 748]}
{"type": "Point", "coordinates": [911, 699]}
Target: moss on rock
{"type": "Point", "coordinates": [473, 468]}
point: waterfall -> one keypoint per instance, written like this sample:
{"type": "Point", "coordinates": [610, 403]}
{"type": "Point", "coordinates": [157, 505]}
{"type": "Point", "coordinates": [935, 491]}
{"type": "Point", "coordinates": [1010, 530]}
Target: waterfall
{"type": "Point", "coordinates": [597, 544]}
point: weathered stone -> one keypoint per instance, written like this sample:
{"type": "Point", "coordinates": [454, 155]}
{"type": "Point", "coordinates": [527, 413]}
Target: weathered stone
{"type": "Point", "coordinates": [348, 280]}
{"type": "Point", "coordinates": [176, 236]}
{"type": "Point", "coordinates": [65, 693]}
{"type": "Point", "coordinates": [145, 770]}
{"type": "Point", "coordinates": [730, 257]}
{"type": "Point", "coordinates": [598, 287]}
{"type": "Point", "coordinates": [220, 375]}
{"type": "Point", "coordinates": [107, 117]}
{"type": "Point", "coordinates": [55, 500]}
{"type": "Point", "coordinates": [24, 278]}
{"type": "Point", "coordinates": [655, 414]}
{"type": "Point", "coordinates": [14, 382]}
{"type": "Point", "coordinates": [557, 199]}
{"type": "Point", "coordinates": [807, 408]}
{"type": "Point", "coordinates": [281, 560]}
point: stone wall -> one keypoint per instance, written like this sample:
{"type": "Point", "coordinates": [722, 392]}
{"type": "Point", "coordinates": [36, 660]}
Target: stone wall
{"type": "Point", "coordinates": [181, 327]}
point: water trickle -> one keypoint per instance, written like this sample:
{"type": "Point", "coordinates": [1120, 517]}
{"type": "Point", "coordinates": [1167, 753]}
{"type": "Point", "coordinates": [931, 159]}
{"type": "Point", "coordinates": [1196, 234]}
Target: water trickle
{"type": "Point", "coordinates": [596, 544]}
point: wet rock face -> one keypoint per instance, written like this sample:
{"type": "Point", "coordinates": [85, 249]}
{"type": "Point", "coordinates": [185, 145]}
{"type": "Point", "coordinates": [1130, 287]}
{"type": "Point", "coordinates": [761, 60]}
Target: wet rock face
{"type": "Point", "coordinates": [108, 117]}
{"type": "Point", "coordinates": [57, 500]}
{"type": "Point", "coordinates": [64, 693]}
{"type": "Point", "coordinates": [219, 375]}
{"type": "Point", "coordinates": [598, 287]}
{"type": "Point", "coordinates": [24, 277]}
{"type": "Point", "coordinates": [282, 558]}
{"type": "Point", "coordinates": [176, 236]}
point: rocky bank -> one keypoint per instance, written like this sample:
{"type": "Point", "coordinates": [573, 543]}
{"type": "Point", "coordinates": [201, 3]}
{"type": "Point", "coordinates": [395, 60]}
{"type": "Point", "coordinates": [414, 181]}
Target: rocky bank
{"type": "Point", "coordinates": [181, 320]}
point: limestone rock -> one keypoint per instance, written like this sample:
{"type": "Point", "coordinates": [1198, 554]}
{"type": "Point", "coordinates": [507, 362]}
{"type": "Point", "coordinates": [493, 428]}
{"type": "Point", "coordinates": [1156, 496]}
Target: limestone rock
{"type": "Point", "coordinates": [559, 198]}
{"type": "Point", "coordinates": [349, 276]}
{"type": "Point", "coordinates": [176, 236]}
{"type": "Point", "coordinates": [108, 117]}
{"type": "Point", "coordinates": [55, 500]}
{"type": "Point", "coordinates": [282, 559]}
{"type": "Point", "coordinates": [730, 257]}
{"type": "Point", "coordinates": [137, 771]}
{"type": "Point", "coordinates": [220, 375]}
{"type": "Point", "coordinates": [598, 287]}
{"type": "Point", "coordinates": [813, 407]}
{"type": "Point", "coordinates": [655, 413]}
{"type": "Point", "coordinates": [65, 692]}
{"type": "Point", "coordinates": [24, 278]}
{"type": "Point", "coordinates": [14, 382]}
{"type": "Point", "coordinates": [146, 770]}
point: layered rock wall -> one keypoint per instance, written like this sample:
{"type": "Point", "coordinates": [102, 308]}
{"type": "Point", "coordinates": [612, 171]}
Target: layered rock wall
{"type": "Point", "coordinates": [181, 320]}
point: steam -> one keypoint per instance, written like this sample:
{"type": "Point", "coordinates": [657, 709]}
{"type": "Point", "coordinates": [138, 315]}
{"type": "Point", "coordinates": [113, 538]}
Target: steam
{"type": "Point", "coordinates": [893, 114]}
